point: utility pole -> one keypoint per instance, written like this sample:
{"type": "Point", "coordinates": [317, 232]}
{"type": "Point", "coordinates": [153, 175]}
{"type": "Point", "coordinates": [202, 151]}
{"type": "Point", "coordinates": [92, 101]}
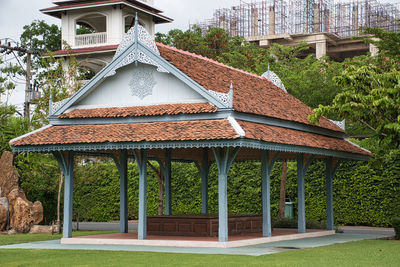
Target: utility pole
{"type": "Point", "coordinates": [28, 90]}
{"type": "Point", "coordinates": [29, 93]}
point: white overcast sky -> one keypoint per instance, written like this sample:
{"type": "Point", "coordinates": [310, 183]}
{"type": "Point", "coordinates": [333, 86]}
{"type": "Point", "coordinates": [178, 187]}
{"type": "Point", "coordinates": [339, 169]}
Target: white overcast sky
{"type": "Point", "coordinates": [14, 14]}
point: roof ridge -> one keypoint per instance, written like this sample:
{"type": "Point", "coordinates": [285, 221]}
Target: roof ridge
{"type": "Point", "coordinates": [210, 60]}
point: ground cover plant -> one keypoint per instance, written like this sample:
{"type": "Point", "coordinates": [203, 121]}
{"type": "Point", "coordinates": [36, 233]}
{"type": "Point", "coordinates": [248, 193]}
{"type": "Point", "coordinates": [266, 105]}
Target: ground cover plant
{"type": "Point", "coordinates": [361, 253]}
{"type": "Point", "coordinates": [27, 238]}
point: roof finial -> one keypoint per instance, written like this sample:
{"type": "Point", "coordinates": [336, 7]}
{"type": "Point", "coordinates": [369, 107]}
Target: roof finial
{"type": "Point", "coordinates": [136, 19]}
{"type": "Point", "coordinates": [270, 75]}
{"type": "Point", "coordinates": [50, 102]}
{"type": "Point", "coordinates": [231, 95]}
{"type": "Point", "coordinates": [136, 37]}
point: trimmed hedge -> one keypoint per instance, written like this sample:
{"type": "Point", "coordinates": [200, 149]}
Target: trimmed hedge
{"type": "Point", "coordinates": [396, 226]}
{"type": "Point", "coordinates": [365, 193]}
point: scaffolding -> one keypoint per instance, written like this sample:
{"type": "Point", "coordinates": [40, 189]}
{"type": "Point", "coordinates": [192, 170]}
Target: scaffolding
{"type": "Point", "coordinates": [273, 17]}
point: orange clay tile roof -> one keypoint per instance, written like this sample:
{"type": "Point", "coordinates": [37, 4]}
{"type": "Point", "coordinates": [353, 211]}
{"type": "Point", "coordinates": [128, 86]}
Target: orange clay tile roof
{"type": "Point", "coordinates": [252, 93]}
{"type": "Point", "coordinates": [65, 52]}
{"type": "Point", "coordinates": [134, 132]}
{"type": "Point", "coordinates": [156, 110]}
{"type": "Point", "coordinates": [61, 6]}
{"type": "Point", "coordinates": [182, 131]}
{"type": "Point", "coordinates": [281, 135]}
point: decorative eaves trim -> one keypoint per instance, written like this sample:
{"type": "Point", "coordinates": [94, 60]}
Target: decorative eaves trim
{"type": "Point", "coordinates": [242, 142]}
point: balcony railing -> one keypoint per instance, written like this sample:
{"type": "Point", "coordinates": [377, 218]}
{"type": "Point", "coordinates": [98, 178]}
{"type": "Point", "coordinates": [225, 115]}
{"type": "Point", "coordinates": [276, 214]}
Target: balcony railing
{"type": "Point", "coordinates": [91, 39]}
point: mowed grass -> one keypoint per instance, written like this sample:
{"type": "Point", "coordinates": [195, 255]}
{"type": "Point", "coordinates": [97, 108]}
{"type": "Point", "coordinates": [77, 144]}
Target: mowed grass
{"type": "Point", "coordinates": [27, 238]}
{"type": "Point", "coordinates": [361, 253]}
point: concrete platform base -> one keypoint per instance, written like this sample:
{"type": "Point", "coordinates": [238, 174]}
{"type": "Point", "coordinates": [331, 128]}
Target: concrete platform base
{"type": "Point", "coordinates": [176, 241]}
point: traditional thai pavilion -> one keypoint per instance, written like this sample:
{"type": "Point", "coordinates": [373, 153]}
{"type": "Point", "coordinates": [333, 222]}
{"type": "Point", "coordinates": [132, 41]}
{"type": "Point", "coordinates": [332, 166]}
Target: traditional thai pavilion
{"type": "Point", "coordinates": [157, 102]}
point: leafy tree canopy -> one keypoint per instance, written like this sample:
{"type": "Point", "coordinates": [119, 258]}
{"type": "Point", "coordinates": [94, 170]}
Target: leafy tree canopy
{"type": "Point", "coordinates": [370, 97]}
{"type": "Point", "coordinates": [41, 36]}
{"type": "Point", "coordinates": [6, 72]}
{"type": "Point", "coordinates": [370, 94]}
{"type": "Point", "coordinates": [387, 42]}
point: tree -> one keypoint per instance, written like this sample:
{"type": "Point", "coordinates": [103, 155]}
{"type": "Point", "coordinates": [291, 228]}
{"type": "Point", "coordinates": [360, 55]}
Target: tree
{"type": "Point", "coordinates": [169, 38]}
{"type": "Point", "coordinates": [370, 97]}
{"type": "Point", "coordinates": [41, 37]}
{"type": "Point", "coordinates": [246, 56]}
{"type": "Point", "coordinates": [160, 180]}
{"type": "Point", "coordinates": [11, 126]}
{"type": "Point", "coordinates": [216, 40]}
{"type": "Point", "coordinates": [7, 85]}
{"type": "Point", "coordinates": [190, 40]}
{"type": "Point", "coordinates": [57, 80]}
{"type": "Point", "coordinates": [388, 43]}
{"type": "Point", "coordinates": [308, 79]}
{"type": "Point", "coordinates": [212, 44]}
{"type": "Point", "coordinates": [283, 52]}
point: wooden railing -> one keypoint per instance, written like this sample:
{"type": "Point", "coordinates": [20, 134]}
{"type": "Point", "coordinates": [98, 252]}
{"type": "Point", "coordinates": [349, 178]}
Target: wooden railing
{"type": "Point", "coordinates": [91, 39]}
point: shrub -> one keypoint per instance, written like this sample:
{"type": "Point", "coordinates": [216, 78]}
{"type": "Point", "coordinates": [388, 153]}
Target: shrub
{"type": "Point", "coordinates": [396, 226]}
{"type": "Point", "coordinates": [292, 223]}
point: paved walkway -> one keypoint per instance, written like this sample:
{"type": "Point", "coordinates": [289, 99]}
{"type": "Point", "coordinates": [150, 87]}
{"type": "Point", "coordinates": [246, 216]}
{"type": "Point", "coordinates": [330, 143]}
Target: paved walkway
{"type": "Point", "coordinates": [367, 230]}
{"type": "Point", "coordinates": [255, 250]}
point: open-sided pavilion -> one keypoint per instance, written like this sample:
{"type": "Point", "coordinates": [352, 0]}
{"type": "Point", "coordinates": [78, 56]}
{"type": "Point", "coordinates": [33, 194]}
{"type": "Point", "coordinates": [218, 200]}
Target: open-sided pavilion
{"type": "Point", "coordinates": [156, 102]}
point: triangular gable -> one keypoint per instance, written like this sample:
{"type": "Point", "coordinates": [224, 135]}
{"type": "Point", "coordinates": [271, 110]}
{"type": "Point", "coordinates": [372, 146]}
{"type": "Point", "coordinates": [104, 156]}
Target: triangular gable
{"type": "Point", "coordinates": [124, 58]}
{"type": "Point", "coordinates": [139, 85]}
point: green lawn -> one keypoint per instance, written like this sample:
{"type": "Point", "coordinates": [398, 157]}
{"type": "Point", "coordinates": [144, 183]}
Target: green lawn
{"type": "Point", "coordinates": [361, 253]}
{"type": "Point", "coordinates": [26, 238]}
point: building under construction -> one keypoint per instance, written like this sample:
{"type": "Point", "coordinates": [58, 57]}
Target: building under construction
{"type": "Point", "coordinates": [327, 26]}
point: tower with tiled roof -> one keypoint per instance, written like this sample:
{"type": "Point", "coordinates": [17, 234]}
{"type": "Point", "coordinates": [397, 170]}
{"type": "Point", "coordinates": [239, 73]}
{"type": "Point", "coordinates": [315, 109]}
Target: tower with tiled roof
{"type": "Point", "coordinates": [95, 28]}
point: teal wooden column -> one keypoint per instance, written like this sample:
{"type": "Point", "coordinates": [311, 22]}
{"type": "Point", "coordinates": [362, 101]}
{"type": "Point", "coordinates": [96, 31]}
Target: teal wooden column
{"type": "Point", "coordinates": [167, 182]}
{"type": "Point", "coordinates": [66, 162]}
{"type": "Point", "coordinates": [331, 167]}
{"type": "Point", "coordinates": [121, 160]}
{"type": "Point", "coordinates": [141, 160]}
{"type": "Point", "coordinates": [302, 165]}
{"type": "Point", "coordinates": [224, 160]}
{"type": "Point", "coordinates": [267, 163]}
{"type": "Point", "coordinates": [204, 170]}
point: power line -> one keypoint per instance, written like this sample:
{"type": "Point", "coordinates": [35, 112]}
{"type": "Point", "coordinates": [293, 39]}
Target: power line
{"type": "Point", "coordinates": [31, 92]}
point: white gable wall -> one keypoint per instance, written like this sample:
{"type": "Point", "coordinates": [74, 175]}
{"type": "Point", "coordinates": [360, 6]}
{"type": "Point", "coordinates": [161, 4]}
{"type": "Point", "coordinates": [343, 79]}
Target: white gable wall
{"type": "Point", "coordinates": [116, 92]}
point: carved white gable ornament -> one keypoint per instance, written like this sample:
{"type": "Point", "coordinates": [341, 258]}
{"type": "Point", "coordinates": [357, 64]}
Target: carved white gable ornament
{"type": "Point", "coordinates": [142, 83]}
{"type": "Point", "coordinates": [340, 124]}
{"type": "Point", "coordinates": [135, 35]}
{"type": "Point", "coordinates": [270, 75]}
